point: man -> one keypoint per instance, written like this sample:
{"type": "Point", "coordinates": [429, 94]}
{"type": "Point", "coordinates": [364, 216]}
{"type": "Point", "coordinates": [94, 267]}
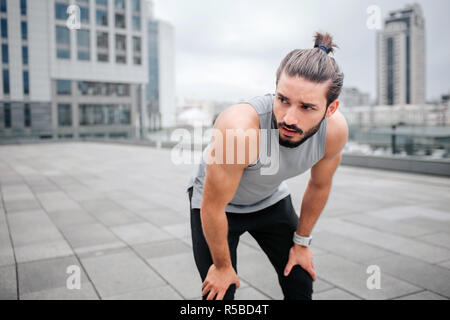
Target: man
{"type": "Point", "coordinates": [230, 198]}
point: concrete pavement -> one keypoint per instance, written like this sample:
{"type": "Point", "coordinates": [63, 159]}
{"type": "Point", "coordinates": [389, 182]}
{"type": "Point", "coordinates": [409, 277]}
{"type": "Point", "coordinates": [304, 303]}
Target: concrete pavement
{"type": "Point", "coordinates": [120, 214]}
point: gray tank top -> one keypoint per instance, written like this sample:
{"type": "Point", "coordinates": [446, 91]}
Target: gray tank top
{"type": "Point", "coordinates": [257, 191]}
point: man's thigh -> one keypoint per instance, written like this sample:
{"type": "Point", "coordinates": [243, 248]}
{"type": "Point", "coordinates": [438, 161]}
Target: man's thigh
{"type": "Point", "coordinates": [202, 254]}
{"type": "Point", "coordinates": [274, 234]}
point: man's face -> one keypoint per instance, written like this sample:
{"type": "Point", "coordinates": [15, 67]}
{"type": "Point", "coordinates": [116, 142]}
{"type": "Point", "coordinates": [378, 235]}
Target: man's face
{"type": "Point", "coordinates": [299, 109]}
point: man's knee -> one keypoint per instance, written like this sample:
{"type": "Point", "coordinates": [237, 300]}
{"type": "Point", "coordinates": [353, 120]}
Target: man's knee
{"type": "Point", "coordinates": [298, 285]}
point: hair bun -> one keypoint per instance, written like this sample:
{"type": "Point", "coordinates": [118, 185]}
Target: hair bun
{"type": "Point", "coordinates": [324, 40]}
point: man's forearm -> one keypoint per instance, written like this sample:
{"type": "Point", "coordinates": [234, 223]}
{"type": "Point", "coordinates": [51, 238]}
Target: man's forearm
{"type": "Point", "coordinates": [313, 202]}
{"type": "Point", "coordinates": [215, 229]}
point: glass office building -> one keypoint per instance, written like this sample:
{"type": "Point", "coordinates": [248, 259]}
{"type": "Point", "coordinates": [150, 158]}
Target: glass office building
{"type": "Point", "coordinates": [81, 71]}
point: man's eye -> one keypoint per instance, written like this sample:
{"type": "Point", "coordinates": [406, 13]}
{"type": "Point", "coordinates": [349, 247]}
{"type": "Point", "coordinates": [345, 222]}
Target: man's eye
{"type": "Point", "coordinates": [283, 100]}
{"type": "Point", "coordinates": [307, 107]}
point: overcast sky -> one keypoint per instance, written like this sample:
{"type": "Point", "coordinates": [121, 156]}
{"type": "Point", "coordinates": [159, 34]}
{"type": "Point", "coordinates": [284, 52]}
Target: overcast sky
{"type": "Point", "coordinates": [230, 49]}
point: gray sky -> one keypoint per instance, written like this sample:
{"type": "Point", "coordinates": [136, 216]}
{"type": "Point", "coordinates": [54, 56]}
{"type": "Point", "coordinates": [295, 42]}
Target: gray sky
{"type": "Point", "coordinates": [230, 49]}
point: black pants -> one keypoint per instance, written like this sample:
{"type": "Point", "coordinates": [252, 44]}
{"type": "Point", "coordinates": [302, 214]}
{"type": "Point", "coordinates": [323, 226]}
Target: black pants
{"type": "Point", "coordinates": [273, 229]}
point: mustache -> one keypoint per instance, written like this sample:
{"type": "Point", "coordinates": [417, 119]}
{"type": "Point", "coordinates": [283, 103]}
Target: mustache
{"type": "Point", "coordinates": [290, 127]}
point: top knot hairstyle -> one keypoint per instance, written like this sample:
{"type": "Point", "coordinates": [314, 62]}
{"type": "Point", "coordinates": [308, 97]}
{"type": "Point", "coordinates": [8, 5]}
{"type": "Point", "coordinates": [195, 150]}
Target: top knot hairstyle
{"type": "Point", "coordinates": [315, 65]}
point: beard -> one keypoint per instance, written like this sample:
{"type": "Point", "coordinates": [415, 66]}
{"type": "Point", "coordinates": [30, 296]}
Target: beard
{"type": "Point", "coordinates": [286, 142]}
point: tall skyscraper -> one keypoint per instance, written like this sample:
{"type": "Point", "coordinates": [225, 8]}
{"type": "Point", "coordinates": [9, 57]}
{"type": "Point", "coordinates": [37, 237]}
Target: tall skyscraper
{"type": "Point", "coordinates": [161, 100]}
{"type": "Point", "coordinates": [401, 58]}
{"type": "Point", "coordinates": [72, 68]}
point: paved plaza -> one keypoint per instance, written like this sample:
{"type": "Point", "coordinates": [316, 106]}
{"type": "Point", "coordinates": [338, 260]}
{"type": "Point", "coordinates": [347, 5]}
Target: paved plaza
{"type": "Point", "coordinates": [120, 213]}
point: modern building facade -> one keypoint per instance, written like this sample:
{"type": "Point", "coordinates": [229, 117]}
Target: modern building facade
{"type": "Point", "coordinates": [72, 68]}
{"type": "Point", "coordinates": [161, 98]}
{"type": "Point", "coordinates": [401, 58]}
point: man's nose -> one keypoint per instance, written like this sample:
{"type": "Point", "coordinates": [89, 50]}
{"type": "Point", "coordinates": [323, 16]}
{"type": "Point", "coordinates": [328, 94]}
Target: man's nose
{"type": "Point", "coordinates": [290, 118]}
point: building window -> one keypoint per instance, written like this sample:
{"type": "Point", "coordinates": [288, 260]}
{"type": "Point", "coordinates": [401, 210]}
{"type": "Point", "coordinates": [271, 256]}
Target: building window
{"type": "Point", "coordinates": [101, 114]}
{"type": "Point", "coordinates": [101, 17]}
{"type": "Point", "coordinates": [26, 82]}
{"type": "Point", "coordinates": [136, 23]}
{"type": "Point", "coordinates": [83, 38]}
{"type": "Point", "coordinates": [84, 55]}
{"type": "Point", "coordinates": [62, 42]}
{"type": "Point", "coordinates": [120, 21]}
{"type": "Point", "coordinates": [121, 42]}
{"type": "Point", "coordinates": [63, 54]}
{"type": "Point", "coordinates": [85, 115]}
{"type": "Point", "coordinates": [98, 115]}
{"type": "Point", "coordinates": [102, 46]}
{"type": "Point", "coordinates": [136, 5]}
{"type": "Point", "coordinates": [63, 87]}
{"type": "Point", "coordinates": [102, 57]}
{"type": "Point", "coordinates": [27, 115]}
{"type": "Point", "coordinates": [7, 115]}
{"type": "Point", "coordinates": [82, 88]}
{"type": "Point", "coordinates": [137, 44]}
{"type": "Point", "coordinates": [3, 5]}
{"type": "Point", "coordinates": [102, 40]}
{"type": "Point", "coordinates": [408, 69]}
{"type": "Point", "coordinates": [89, 88]}
{"type": "Point", "coordinates": [24, 30]}
{"type": "Point", "coordinates": [121, 48]}
{"type": "Point", "coordinates": [25, 55]}
{"type": "Point", "coordinates": [102, 2]}
{"type": "Point", "coordinates": [119, 4]}
{"type": "Point", "coordinates": [64, 114]}
{"type": "Point", "coordinates": [125, 114]}
{"type": "Point", "coordinates": [83, 44]}
{"type": "Point", "coordinates": [122, 90]}
{"type": "Point", "coordinates": [62, 35]}
{"type": "Point", "coordinates": [137, 50]}
{"type": "Point", "coordinates": [390, 71]}
{"type": "Point", "coordinates": [5, 55]}
{"type": "Point", "coordinates": [84, 15]}
{"type": "Point", "coordinates": [60, 11]}
{"type": "Point", "coordinates": [23, 7]}
{"type": "Point", "coordinates": [121, 58]}
{"type": "Point", "coordinates": [4, 26]}
{"type": "Point", "coordinates": [5, 81]}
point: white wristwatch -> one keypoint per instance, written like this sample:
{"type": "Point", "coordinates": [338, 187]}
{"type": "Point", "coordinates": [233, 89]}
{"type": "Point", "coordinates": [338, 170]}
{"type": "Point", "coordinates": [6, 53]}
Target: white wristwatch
{"type": "Point", "coordinates": [303, 241]}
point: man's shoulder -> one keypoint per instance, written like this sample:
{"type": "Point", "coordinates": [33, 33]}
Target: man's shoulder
{"type": "Point", "coordinates": [238, 116]}
{"type": "Point", "coordinates": [337, 134]}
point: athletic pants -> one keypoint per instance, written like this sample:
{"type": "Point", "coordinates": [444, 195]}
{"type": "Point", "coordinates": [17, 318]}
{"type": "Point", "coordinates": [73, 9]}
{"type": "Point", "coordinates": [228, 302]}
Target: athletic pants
{"type": "Point", "coordinates": [273, 228]}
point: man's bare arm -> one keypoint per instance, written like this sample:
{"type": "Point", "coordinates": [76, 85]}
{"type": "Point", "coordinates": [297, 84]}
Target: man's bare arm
{"type": "Point", "coordinates": [222, 179]}
{"type": "Point", "coordinates": [319, 185]}
{"type": "Point", "coordinates": [221, 182]}
{"type": "Point", "coordinates": [317, 192]}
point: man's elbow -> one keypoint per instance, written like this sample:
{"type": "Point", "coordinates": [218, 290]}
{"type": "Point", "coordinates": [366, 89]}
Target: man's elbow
{"type": "Point", "coordinates": [321, 185]}
{"type": "Point", "coordinates": [208, 208]}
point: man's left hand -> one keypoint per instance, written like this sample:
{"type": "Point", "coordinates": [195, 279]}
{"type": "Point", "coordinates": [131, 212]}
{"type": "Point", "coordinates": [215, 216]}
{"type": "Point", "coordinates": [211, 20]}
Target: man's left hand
{"type": "Point", "coordinates": [299, 255]}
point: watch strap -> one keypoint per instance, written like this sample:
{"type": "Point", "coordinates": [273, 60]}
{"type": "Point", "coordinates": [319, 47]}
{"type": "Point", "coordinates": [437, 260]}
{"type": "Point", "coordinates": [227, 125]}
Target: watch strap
{"type": "Point", "coordinates": [303, 241]}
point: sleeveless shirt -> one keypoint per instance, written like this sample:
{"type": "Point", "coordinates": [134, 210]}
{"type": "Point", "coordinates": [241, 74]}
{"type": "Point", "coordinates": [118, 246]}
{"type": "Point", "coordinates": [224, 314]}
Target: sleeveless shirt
{"type": "Point", "coordinates": [259, 189]}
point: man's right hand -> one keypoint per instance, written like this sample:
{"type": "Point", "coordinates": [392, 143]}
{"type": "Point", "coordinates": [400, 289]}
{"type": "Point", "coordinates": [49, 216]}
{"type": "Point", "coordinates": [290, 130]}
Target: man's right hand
{"type": "Point", "coordinates": [218, 280]}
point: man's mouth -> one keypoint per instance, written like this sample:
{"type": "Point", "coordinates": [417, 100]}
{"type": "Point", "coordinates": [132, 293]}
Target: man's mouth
{"type": "Point", "coordinates": [288, 132]}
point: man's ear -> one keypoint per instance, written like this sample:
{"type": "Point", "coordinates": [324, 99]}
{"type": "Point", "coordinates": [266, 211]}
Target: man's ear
{"type": "Point", "coordinates": [332, 108]}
